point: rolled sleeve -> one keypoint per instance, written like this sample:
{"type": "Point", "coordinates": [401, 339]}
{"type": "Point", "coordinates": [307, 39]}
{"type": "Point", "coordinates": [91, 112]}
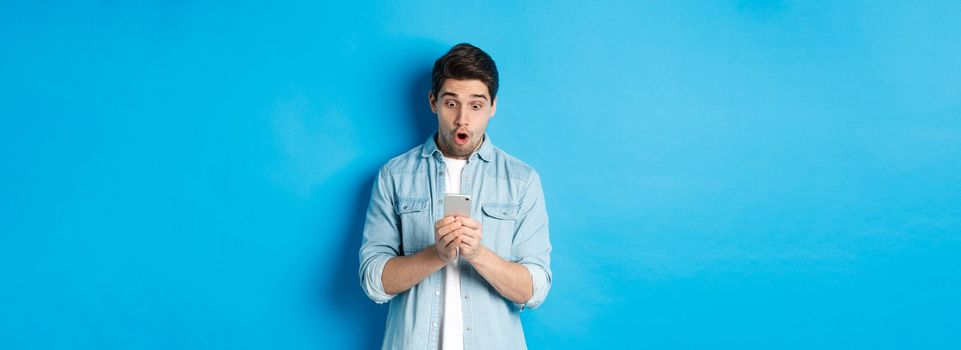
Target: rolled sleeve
{"type": "Point", "coordinates": [532, 246]}
{"type": "Point", "coordinates": [541, 281]}
{"type": "Point", "coordinates": [371, 279]}
{"type": "Point", "coordinates": [381, 240]}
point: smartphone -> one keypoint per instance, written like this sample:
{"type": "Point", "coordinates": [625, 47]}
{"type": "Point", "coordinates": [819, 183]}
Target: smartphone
{"type": "Point", "coordinates": [457, 205]}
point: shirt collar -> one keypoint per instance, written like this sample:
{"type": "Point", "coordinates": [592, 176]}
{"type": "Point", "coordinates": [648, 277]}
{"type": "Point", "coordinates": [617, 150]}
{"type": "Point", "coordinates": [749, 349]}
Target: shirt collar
{"type": "Point", "coordinates": [485, 152]}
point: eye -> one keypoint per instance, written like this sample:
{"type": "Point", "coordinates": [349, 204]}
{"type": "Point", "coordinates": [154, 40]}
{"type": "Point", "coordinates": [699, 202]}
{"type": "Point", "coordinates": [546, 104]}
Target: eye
{"type": "Point", "coordinates": [451, 103]}
{"type": "Point", "coordinates": [476, 106]}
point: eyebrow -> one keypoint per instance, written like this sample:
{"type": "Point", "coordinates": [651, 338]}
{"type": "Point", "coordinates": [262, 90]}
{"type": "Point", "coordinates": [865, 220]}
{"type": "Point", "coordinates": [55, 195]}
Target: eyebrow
{"type": "Point", "coordinates": [455, 95]}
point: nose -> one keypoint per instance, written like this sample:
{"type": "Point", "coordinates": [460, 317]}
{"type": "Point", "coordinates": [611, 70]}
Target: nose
{"type": "Point", "coordinates": [461, 118]}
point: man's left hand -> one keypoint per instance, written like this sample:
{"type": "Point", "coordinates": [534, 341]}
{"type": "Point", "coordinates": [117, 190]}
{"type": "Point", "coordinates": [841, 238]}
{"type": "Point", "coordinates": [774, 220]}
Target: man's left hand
{"type": "Point", "coordinates": [470, 237]}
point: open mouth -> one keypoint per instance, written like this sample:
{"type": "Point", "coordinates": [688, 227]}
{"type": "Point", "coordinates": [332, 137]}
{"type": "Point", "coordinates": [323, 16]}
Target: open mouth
{"type": "Point", "coordinates": [461, 138]}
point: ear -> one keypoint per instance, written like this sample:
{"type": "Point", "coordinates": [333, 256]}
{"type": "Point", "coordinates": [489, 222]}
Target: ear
{"type": "Point", "coordinates": [493, 107]}
{"type": "Point", "coordinates": [431, 100]}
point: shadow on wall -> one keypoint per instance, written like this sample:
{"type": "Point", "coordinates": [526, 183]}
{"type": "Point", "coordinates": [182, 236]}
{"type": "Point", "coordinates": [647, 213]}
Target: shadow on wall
{"type": "Point", "coordinates": [408, 69]}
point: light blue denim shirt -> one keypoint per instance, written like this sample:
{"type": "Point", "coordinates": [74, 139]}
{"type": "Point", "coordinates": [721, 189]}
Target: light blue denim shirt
{"type": "Point", "coordinates": [408, 198]}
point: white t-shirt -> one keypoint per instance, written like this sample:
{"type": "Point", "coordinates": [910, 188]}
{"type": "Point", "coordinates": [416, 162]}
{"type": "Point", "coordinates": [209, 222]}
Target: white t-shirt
{"type": "Point", "coordinates": [452, 330]}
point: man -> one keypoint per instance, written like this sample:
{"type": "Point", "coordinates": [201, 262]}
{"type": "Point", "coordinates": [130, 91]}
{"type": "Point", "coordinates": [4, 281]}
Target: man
{"type": "Point", "coordinates": [457, 282]}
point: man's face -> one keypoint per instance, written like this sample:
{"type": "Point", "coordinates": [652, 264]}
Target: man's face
{"type": "Point", "coordinates": [463, 108]}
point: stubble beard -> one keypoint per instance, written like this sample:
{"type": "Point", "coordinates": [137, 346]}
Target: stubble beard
{"type": "Point", "coordinates": [452, 149]}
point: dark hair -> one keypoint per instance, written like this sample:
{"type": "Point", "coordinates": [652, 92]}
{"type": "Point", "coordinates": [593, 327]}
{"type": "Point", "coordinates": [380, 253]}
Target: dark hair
{"type": "Point", "coordinates": [465, 62]}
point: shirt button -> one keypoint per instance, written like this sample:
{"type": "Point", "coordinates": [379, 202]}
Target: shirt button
{"type": "Point", "coordinates": [435, 324]}
{"type": "Point", "coordinates": [468, 329]}
{"type": "Point", "coordinates": [442, 173]}
{"type": "Point", "coordinates": [467, 296]}
{"type": "Point", "coordinates": [437, 293]}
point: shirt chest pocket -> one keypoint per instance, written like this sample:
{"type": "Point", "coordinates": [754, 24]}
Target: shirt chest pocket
{"type": "Point", "coordinates": [416, 228]}
{"type": "Point", "coordinates": [499, 222]}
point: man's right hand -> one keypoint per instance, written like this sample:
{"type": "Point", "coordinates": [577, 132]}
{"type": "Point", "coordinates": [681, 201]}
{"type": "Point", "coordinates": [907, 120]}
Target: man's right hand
{"type": "Point", "coordinates": [447, 238]}
{"type": "Point", "coordinates": [404, 271]}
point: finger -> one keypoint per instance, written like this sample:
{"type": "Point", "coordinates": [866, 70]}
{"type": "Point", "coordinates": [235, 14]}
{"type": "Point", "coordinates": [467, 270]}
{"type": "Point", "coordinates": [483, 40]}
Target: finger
{"type": "Point", "coordinates": [469, 222]}
{"type": "Point", "coordinates": [440, 232]}
{"type": "Point", "coordinates": [446, 240]}
{"type": "Point", "coordinates": [448, 228]}
{"type": "Point", "coordinates": [468, 241]}
{"type": "Point", "coordinates": [466, 250]}
{"type": "Point", "coordinates": [476, 234]}
{"type": "Point", "coordinates": [458, 231]}
{"type": "Point", "coordinates": [462, 231]}
{"type": "Point", "coordinates": [454, 243]}
{"type": "Point", "coordinates": [443, 222]}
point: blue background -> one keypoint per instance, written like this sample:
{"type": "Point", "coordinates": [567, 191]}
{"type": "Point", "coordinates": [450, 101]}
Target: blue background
{"type": "Point", "coordinates": [726, 174]}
